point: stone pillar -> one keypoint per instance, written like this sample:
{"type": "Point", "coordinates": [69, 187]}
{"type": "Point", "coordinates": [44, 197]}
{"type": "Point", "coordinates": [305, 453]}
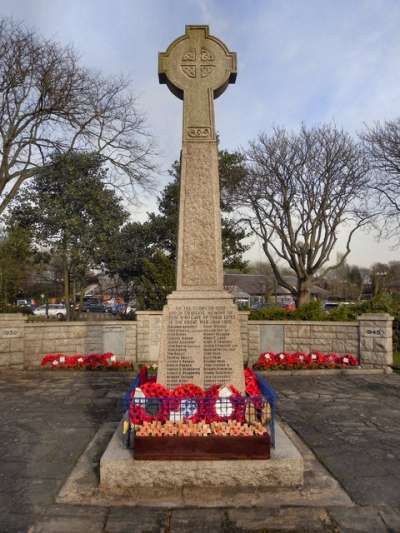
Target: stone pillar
{"type": "Point", "coordinates": [12, 333]}
{"type": "Point", "coordinates": [376, 340]}
{"type": "Point", "coordinates": [148, 335]}
{"type": "Point", "coordinates": [200, 334]}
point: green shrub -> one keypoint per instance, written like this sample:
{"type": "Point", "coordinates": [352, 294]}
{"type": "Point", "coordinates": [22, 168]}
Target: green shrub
{"type": "Point", "coordinates": [7, 308]}
{"type": "Point", "coordinates": [126, 316]}
{"type": "Point", "coordinates": [345, 313]}
{"type": "Point", "coordinates": [272, 313]}
{"type": "Point", "coordinates": [310, 311]}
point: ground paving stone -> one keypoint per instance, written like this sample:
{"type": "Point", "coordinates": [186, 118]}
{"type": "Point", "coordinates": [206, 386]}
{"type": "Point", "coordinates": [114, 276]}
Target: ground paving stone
{"type": "Point", "coordinates": [184, 520]}
{"type": "Point", "coordinates": [48, 418]}
{"type": "Point", "coordinates": [20, 522]}
{"type": "Point", "coordinates": [354, 401]}
{"type": "Point", "coordinates": [298, 519]}
{"type": "Point", "coordinates": [391, 517]}
{"type": "Point", "coordinates": [138, 520]}
{"type": "Point", "coordinates": [358, 519]}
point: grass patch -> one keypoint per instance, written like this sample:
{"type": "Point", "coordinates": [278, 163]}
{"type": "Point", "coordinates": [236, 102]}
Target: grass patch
{"type": "Point", "coordinates": [396, 358]}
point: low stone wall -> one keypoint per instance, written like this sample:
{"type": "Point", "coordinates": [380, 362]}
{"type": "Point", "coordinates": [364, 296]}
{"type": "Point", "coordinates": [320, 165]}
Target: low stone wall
{"type": "Point", "coordinates": [369, 338]}
{"type": "Point", "coordinates": [23, 344]}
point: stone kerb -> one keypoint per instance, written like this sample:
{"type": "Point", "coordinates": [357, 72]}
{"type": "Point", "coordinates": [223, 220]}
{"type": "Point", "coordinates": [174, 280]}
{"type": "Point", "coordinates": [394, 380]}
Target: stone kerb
{"type": "Point", "coordinates": [376, 340]}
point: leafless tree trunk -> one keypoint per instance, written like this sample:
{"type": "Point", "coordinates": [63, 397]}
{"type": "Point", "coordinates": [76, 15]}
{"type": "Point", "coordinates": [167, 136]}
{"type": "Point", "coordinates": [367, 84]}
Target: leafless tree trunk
{"type": "Point", "coordinates": [382, 145]}
{"type": "Point", "coordinates": [298, 192]}
{"type": "Point", "coordinates": [49, 102]}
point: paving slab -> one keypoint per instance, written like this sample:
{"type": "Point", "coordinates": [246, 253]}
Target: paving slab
{"type": "Point", "coordinates": [283, 518]}
{"type": "Point", "coordinates": [358, 519]}
{"type": "Point", "coordinates": [139, 520]}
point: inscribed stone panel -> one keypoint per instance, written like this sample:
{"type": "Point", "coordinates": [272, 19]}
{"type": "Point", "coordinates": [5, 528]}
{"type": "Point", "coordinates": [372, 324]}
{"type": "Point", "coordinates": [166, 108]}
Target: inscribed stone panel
{"type": "Point", "coordinates": [201, 344]}
{"type": "Point", "coordinates": [114, 340]}
{"type": "Point", "coordinates": [155, 335]}
{"type": "Point", "coordinates": [271, 338]}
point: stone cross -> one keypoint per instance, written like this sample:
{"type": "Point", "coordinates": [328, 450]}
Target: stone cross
{"type": "Point", "coordinates": [200, 330]}
{"type": "Point", "coordinates": [197, 68]}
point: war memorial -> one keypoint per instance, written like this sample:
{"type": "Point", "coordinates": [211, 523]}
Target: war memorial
{"type": "Point", "coordinates": [214, 432]}
{"type": "Point", "coordinates": [198, 448]}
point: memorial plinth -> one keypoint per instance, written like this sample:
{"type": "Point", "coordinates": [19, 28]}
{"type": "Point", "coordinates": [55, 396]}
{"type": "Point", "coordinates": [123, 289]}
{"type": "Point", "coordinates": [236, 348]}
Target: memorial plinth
{"type": "Point", "coordinates": [179, 482]}
{"type": "Point", "coordinates": [200, 336]}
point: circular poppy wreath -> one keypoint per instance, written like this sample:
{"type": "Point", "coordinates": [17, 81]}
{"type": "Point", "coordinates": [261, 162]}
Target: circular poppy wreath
{"type": "Point", "coordinates": [189, 410]}
{"type": "Point", "coordinates": [218, 409]}
{"type": "Point", "coordinates": [155, 405]}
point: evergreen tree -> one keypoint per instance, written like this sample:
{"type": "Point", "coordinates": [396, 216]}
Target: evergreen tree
{"type": "Point", "coordinates": [71, 213]}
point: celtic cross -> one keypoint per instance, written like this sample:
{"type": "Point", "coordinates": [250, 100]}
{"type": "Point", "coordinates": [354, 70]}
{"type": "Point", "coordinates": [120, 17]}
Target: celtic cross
{"type": "Point", "coordinates": [200, 331]}
{"type": "Point", "coordinates": [197, 68]}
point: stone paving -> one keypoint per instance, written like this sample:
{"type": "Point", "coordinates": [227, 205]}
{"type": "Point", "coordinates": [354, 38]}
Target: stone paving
{"type": "Point", "coordinates": [351, 423]}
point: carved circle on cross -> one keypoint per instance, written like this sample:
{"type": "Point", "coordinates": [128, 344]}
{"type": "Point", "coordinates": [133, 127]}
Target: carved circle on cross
{"type": "Point", "coordinates": [195, 62]}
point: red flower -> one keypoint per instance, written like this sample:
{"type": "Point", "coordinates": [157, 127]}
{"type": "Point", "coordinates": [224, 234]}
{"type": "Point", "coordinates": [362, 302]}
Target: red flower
{"type": "Point", "coordinates": [284, 360]}
{"type": "Point", "coordinates": [189, 390]}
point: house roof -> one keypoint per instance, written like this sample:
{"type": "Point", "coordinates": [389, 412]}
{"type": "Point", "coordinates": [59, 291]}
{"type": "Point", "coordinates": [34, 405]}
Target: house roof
{"type": "Point", "coordinates": [236, 292]}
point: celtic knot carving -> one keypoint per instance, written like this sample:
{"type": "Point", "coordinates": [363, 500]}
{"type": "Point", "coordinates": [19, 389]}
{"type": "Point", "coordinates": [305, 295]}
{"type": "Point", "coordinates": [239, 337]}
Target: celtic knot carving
{"type": "Point", "coordinates": [206, 70]}
{"type": "Point", "coordinates": [206, 55]}
{"type": "Point", "coordinates": [190, 55]}
{"type": "Point", "coordinates": [197, 59]}
{"type": "Point", "coordinates": [189, 70]}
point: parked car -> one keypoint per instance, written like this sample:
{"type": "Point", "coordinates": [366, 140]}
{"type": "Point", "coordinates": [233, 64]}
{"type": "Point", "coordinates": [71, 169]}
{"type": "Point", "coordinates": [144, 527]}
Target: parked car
{"type": "Point", "coordinates": [26, 304]}
{"type": "Point", "coordinates": [116, 308]}
{"type": "Point", "coordinates": [93, 308]}
{"type": "Point", "coordinates": [57, 310]}
{"type": "Point", "coordinates": [257, 307]}
{"type": "Point", "coordinates": [289, 306]}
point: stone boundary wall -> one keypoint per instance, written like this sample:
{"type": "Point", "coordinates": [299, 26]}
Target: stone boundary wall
{"type": "Point", "coordinates": [23, 344]}
{"type": "Point", "coordinates": [369, 338]}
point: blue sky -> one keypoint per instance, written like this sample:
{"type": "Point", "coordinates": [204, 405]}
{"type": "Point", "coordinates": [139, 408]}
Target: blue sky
{"type": "Point", "coordinates": [299, 61]}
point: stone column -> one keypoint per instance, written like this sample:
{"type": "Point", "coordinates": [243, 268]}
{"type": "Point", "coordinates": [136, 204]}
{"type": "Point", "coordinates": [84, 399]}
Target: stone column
{"type": "Point", "coordinates": [200, 335]}
{"type": "Point", "coordinates": [12, 335]}
{"type": "Point", "coordinates": [376, 340]}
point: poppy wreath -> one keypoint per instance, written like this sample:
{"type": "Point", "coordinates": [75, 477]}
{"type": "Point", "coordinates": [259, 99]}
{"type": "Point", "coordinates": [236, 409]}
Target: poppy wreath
{"type": "Point", "coordinates": [208, 405]}
{"type": "Point", "coordinates": [252, 388]}
{"type": "Point", "coordinates": [57, 360]}
{"type": "Point", "coordinates": [214, 406]}
{"type": "Point", "coordinates": [158, 402]}
{"type": "Point", "coordinates": [155, 406]}
{"type": "Point", "coordinates": [300, 360]}
{"type": "Point", "coordinates": [83, 362]}
{"type": "Point", "coordinates": [190, 391]}
{"type": "Point", "coordinates": [347, 360]}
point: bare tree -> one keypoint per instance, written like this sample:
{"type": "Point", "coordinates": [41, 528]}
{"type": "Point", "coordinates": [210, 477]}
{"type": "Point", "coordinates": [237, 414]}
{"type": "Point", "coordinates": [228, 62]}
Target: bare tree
{"type": "Point", "coordinates": [299, 190]}
{"type": "Point", "coordinates": [49, 102]}
{"type": "Point", "coordinates": [382, 144]}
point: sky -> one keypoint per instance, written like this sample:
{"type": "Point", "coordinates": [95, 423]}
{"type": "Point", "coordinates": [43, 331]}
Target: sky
{"type": "Point", "coordinates": [299, 61]}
